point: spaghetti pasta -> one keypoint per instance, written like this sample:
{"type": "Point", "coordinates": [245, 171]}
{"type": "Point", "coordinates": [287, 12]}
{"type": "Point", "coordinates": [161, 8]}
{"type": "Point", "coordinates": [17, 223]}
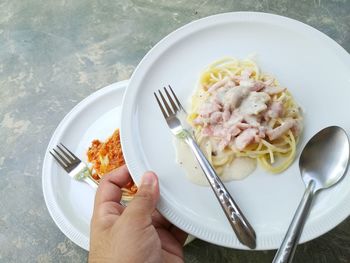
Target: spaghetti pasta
{"type": "Point", "coordinates": [238, 111]}
{"type": "Point", "coordinates": [107, 156]}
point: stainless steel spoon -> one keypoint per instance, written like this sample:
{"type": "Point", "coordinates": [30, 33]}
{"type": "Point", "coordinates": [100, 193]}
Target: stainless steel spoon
{"type": "Point", "coordinates": [322, 164]}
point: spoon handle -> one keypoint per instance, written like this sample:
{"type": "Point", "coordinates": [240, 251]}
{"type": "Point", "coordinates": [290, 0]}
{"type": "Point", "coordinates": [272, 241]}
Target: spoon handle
{"type": "Point", "coordinates": [286, 251]}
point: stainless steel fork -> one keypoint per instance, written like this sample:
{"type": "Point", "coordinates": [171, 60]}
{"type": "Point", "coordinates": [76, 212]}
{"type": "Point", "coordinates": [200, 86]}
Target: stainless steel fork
{"type": "Point", "coordinates": [77, 169]}
{"type": "Point", "coordinates": [244, 231]}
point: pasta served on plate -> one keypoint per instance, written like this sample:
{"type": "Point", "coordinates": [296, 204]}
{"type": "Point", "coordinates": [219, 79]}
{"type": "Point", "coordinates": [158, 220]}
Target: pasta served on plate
{"type": "Point", "coordinates": [238, 112]}
{"type": "Point", "coordinates": [107, 156]}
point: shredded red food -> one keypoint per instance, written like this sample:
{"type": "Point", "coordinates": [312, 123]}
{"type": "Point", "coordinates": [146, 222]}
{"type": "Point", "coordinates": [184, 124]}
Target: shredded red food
{"type": "Point", "coordinates": [107, 156]}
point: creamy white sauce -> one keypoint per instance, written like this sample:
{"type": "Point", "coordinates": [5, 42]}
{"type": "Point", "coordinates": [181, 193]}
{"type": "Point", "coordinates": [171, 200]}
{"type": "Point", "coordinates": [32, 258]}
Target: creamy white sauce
{"type": "Point", "coordinates": [238, 169]}
{"type": "Point", "coordinates": [254, 103]}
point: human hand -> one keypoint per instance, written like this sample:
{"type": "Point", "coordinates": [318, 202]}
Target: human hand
{"type": "Point", "coordinates": [137, 233]}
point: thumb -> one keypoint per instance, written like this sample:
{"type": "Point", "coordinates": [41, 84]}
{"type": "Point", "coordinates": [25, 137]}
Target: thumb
{"type": "Point", "coordinates": [146, 198]}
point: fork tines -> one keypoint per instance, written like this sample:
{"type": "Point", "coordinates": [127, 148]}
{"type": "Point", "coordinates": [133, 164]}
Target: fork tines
{"type": "Point", "coordinates": [169, 109]}
{"type": "Point", "coordinates": [64, 157]}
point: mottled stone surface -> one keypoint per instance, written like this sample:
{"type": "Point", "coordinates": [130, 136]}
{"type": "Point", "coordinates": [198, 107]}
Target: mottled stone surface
{"type": "Point", "coordinates": [55, 53]}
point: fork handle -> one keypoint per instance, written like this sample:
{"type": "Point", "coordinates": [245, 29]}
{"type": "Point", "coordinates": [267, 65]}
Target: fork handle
{"type": "Point", "coordinates": [91, 182]}
{"type": "Point", "coordinates": [244, 231]}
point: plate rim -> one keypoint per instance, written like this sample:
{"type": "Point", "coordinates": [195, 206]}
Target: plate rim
{"type": "Point", "coordinates": [55, 212]}
{"type": "Point", "coordinates": [129, 147]}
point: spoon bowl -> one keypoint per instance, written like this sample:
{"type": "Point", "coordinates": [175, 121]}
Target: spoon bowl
{"type": "Point", "coordinates": [325, 158]}
{"type": "Point", "coordinates": [323, 162]}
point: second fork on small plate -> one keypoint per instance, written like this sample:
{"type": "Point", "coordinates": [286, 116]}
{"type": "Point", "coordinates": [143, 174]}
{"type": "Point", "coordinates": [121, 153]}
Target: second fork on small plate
{"type": "Point", "coordinates": [76, 169]}
{"type": "Point", "coordinates": [171, 109]}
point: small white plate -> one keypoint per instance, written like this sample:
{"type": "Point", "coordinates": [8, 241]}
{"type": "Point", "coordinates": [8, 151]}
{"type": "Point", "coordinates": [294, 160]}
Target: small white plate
{"type": "Point", "coordinates": [314, 68]}
{"type": "Point", "coordinates": [69, 202]}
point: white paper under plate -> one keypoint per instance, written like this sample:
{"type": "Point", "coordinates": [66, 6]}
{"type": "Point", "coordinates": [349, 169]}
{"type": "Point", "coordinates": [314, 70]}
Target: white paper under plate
{"type": "Point", "coordinates": [314, 68]}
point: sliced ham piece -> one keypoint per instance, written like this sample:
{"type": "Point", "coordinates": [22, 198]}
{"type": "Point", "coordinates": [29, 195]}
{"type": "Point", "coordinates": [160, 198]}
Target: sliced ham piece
{"type": "Point", "coordinates": [258, 85]}
{"type": "Point", "coordinates": [207, 131]}
{"type": "Point", "coordinates": [252, 120]}
{"type": "Point", "coordinates": [243, 125]}
{"type": "Point", "coordinates": [230, 84]}
{"type": "Point", "coordinates": [216, 117]}
{"type": "Point", "coordinates": [275, 110]}
{"type": "Point", "coordinates": [297, 127]}
{"type": "Point", "coordinates": [272, 90]}
{"type": "Point", "coordinates": [208, 108]}
{"type": "Point", "coordinates": [226, 115]}
{"type": "Point", "coordinates": [234, 97]}
{"type": "Point", "coordinates": [218, 84]}
{"type": "Point", "coordinates": [234, 119]}
{"type": "Point", "coordinates": [248, 84]}
{"type": "Point", "coordinates": [275, 133]}
{"type": "Point", "coordinates": [220, 131]}
{"type": "Point", "coordinates": [234, 131]}
{"type": "Point", "coordinates": [262, 132]}
{"type": "Point", "coordinates": [245, 138]}
{"type": "Point", "coordinates": [269, 82]}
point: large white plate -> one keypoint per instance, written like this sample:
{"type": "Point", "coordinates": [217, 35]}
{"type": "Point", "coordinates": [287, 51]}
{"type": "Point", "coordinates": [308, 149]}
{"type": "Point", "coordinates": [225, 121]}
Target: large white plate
{"type": "Point", "coordinates": [315, 69]}
{"type": "Point", "coordinates": [69, 202]}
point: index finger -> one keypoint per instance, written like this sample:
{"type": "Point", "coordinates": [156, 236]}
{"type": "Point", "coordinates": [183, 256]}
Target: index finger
{"type": "Point", "coordinates": [110, 186]}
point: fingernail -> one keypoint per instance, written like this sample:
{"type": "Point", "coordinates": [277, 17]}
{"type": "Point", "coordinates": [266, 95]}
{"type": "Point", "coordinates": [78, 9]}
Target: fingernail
{"type": "Point", "coordinates": [148, 179]}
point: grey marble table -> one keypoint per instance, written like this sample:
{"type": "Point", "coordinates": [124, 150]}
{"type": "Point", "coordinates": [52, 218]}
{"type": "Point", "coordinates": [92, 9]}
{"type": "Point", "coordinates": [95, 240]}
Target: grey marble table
{"type": "Point", "coordinates": [55, 53]}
